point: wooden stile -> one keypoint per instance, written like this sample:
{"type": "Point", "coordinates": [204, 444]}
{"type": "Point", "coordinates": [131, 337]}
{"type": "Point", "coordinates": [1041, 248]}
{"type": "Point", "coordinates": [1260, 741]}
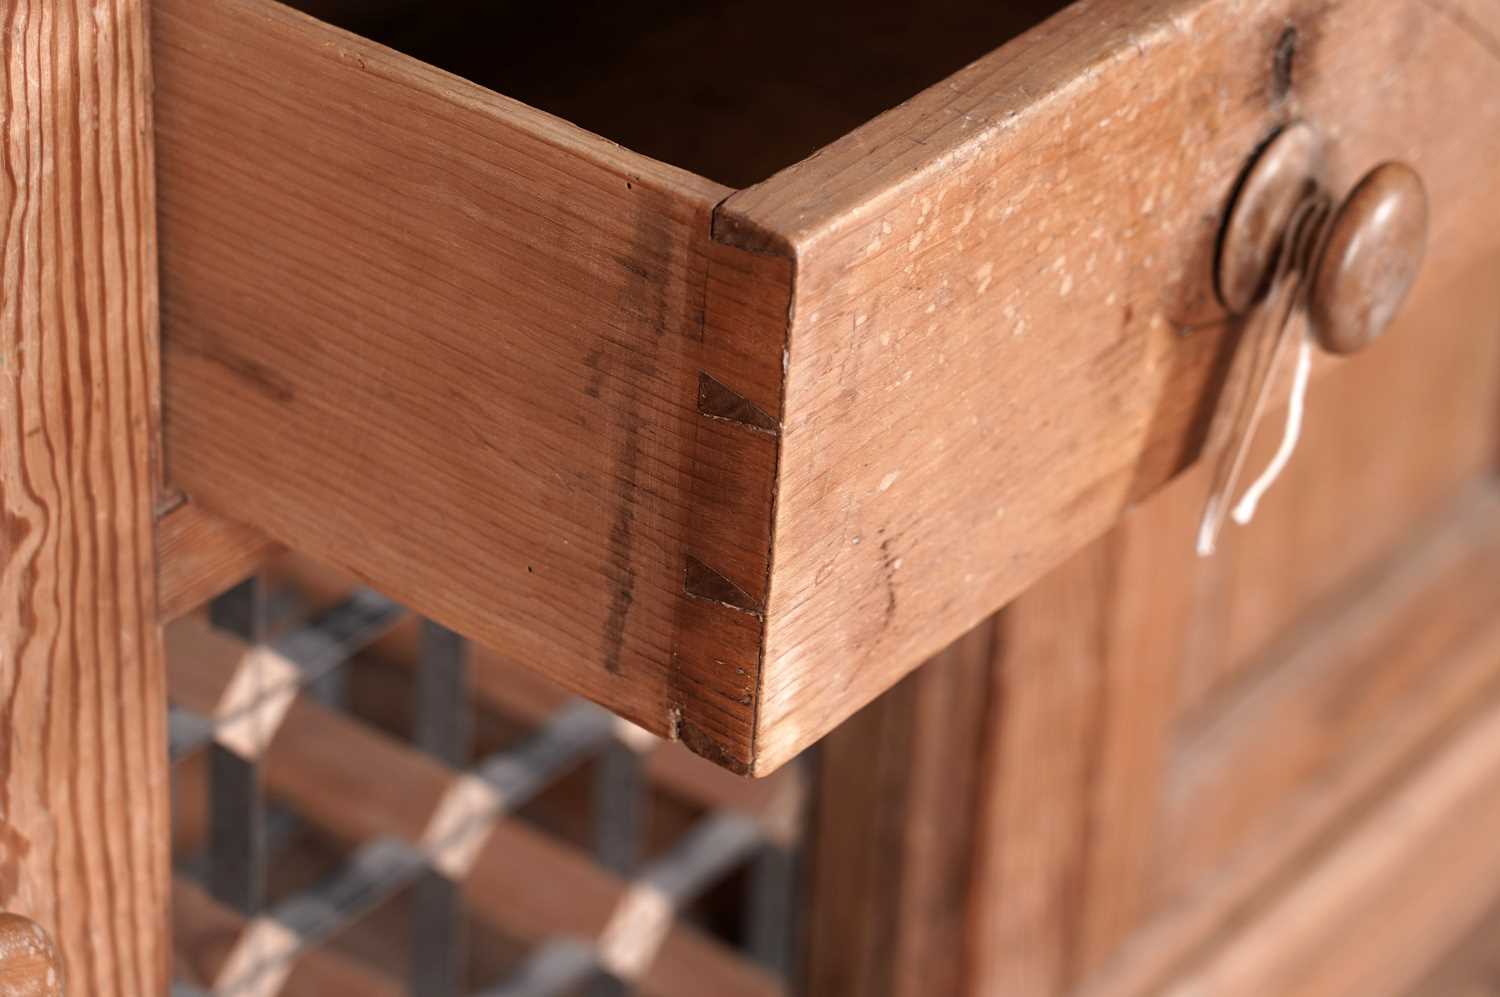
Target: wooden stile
{"type": "Point", "coordinates": [83, 783]}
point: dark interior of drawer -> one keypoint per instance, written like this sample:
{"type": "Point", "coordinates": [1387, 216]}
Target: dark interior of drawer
{"type": "Point", "coordinates": [731, 89]}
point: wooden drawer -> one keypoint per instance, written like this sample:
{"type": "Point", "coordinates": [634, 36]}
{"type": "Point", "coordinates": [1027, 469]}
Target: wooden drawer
{"type": "Point", "coordinates": [731, 462]}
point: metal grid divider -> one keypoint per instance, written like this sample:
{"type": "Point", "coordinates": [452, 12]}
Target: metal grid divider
{"type": "Point", "coordinates": [441, 728]}
{"type": "Point", "coordinates": [237, 809]}
{"type": "Point", "coordinates": [271, 675]}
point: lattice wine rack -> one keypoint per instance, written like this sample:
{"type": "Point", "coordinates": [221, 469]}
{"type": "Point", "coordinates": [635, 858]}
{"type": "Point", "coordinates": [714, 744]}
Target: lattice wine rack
{"type": "Point", "coordinates": [364, 804]}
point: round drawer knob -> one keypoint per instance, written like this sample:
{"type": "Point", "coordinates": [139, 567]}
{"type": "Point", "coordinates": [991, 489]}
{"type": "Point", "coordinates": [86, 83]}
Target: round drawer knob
{"type": "Point", "coordinates": [1371, 256]}
{"type": "Point", "coordinates": [1284, 174]}
{"type": "Point", "coordinates": [28, 962]}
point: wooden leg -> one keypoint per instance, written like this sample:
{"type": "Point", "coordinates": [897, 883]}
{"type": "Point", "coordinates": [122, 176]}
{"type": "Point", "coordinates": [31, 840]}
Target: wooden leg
{"type": "Point", "coordinates": [83, 754]}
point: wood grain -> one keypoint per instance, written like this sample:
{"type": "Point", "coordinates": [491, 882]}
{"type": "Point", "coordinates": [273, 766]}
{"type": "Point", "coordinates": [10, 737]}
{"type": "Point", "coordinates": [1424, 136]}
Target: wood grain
{"type": "Point", "coordinates": [1388, 441]}
{"type": "Point", "coordinates": [1350, 698]}
{"type": "Point", "coordinates": [892, 849]}
{"type": "Point", "coordinates": [944, 354]}
{"type": "Point", "coordinates": [199, 555]}
{"type": "Point", "coordinates": [986, 826]}
{"type": "Point", "coordinates": [83, 781]}
{"type": "Point", "coordinates": [1417, 872]}
{"type": "Point", "coordinates": [519, 694]}
{"type": "Point", "coordinates": [998, 337]}
{"type": "Point", "coordinates": [1472, 969]}
{"type": "Point", "coordinates": [1073, 757]}
{"type": "Point", "coordinates": [457, 347]}
{"type": "Point", "coordinates": [1353, 682]}
{"type": "Point", "coordinates": [1119, 835]}
{"type": "Point", "coordinates": [652, 75]}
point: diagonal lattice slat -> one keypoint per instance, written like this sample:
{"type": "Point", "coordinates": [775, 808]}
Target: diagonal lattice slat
{"type": "Point", "coordinates": [471, 806]}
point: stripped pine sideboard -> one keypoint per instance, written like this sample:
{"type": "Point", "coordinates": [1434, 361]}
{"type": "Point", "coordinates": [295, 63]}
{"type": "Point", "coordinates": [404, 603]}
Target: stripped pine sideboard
{"type": "Point", "coordinates": [553, 416]}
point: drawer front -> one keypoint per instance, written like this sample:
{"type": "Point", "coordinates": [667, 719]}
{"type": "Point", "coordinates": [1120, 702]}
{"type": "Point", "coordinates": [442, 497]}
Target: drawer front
{"type": "Point", "coordinates": [732, 463]}
{"type": "Point", "coordinates": [1004, 329]}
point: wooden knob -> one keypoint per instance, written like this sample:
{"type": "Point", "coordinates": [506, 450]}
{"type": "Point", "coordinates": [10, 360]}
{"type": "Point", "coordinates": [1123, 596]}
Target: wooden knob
{"type": "Point", "coordinates": [1373, 251]}
{"type": "Point", "coordinates": [1280, 177]}
{"type": "Point", "coordinates": [28, 962]}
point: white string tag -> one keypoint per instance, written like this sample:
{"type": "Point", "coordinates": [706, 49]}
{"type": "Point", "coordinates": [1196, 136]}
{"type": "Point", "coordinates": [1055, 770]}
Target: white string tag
{"type": "Point", "coordinates": [1244, 511]}
{"type": "Point", "coordinates": [1251, 375]}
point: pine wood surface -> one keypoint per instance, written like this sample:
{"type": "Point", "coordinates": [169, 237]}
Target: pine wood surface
{"type": "Point", "coordinates": [1003, 330]}
{"type": "Point", "coordinates": [1408, 882]}
{"type": "Point", "coordinates": [83, 787]}
{"type": "Point", "coordinates": [199, 555]}
{"type": "Point", "coordinates": [460, 348]}
{"type": "Point", "coordinates": [889, 880]}
{"type": "Point", "coordinates": [924, 359]}
{"type": "Point", "coordinates": [1168, 739]}
{"type": "Point", "coordinates": [1471, 969]}
{"type": "Point", "coordinates": [517, 693]}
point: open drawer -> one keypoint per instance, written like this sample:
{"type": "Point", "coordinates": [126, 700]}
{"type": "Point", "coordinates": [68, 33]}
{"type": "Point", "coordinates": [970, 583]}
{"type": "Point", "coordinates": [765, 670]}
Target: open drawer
{"type": "Point", "coordinates": [731, 462]}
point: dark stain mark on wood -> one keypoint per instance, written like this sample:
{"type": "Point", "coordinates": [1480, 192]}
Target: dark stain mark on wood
{"type": "Point", "coordinates": [889, 563]}
{"type": "Point", "coordinates": [638, 269]}
{"type": "Point", "coordinates": [14, 848]}
{"type": "Point", "coordinates": [703, 582]}
{"type": "Point", "coordinates": [1281, 63]}
{"type": "Point", "coordinates": [642, 301]}
{"type": "Point", "coordinates": [700, 743]}
{"type": "Point", "coordinates": [256, 375]}
{"type": "Point", "coordinates": [594, 362]}
{"type": "Point", "coordinates": [621, 567]}
{"type": "Point", "coordinates": [717, 401]}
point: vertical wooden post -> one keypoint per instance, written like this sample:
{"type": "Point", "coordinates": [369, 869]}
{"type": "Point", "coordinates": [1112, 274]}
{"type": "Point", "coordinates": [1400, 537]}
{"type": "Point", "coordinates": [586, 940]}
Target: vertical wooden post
{"type": "Point", "coordinates": [83, 763]}
{"type": "Point", "coordinates": [985, 827]}
{"type": "Point", "coordinates": [889, 878]}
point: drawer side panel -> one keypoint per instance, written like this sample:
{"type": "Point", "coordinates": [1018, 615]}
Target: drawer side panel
{"type": "Point", "coordinates": [454, 345]}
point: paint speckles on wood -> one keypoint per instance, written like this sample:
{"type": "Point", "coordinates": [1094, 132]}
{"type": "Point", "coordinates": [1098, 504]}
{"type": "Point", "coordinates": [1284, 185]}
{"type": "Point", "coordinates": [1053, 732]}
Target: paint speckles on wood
{"type": "Point", "coordinates": [83, 794]}
{"type": "Point", "coordinates": [1004, 330]}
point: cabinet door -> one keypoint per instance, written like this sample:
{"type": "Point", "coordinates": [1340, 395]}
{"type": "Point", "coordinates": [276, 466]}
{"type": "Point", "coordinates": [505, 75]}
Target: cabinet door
{"type": "Point", "coordinates": [1269, 771]}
